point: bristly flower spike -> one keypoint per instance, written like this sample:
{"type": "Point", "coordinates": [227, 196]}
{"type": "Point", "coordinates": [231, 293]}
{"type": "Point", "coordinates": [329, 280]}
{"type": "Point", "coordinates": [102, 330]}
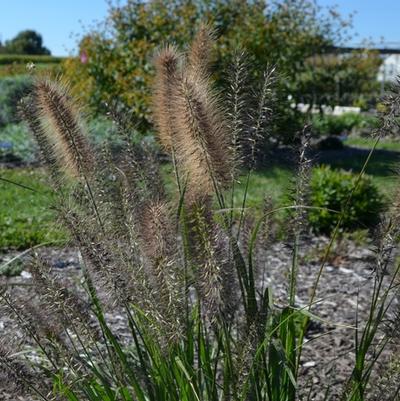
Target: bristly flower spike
{"type": "Point", "coordinates": [166, 81]}
{"type": "Point", "coordinates": [61, 121]}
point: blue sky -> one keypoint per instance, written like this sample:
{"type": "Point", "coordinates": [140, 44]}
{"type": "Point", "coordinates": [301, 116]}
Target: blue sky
{"type": "Point", "coordinates": [59, 20]}
{"type": "Point", "coordinates": [373, 19]}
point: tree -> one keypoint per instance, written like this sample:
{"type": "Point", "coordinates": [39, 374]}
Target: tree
{"type": "Point", "coordinates": [118, 58]}
{"type": "Point", "coordinates": [338, 79]}
{"type": "Point", "coordinates": [26, 42]}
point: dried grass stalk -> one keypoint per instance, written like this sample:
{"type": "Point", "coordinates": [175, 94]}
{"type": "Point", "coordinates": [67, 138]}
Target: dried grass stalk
{"type": "Point", "coordinates": [166, 81]}
{"type": "Point", "coordinates": [200, 52]}
{"type": "Point", "coordinates": [202, 140]}
{"type": "Point", "coordinates": [62, 127]}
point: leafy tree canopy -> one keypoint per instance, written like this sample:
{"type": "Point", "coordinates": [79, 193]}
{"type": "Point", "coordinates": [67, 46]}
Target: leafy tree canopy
{"type": "Point", "coordinates": [116, 59]}
{"type": "Point", "coordinates": [26, 42]}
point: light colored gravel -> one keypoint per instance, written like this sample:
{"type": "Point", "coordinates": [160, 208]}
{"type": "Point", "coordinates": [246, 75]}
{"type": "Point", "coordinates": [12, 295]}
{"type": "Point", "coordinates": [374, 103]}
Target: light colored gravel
{"type": "Point", "coordinates": [344, 292]}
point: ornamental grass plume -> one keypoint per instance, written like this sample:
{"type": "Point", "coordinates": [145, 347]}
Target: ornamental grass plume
{"type": "Point", "coordinates": [167, 66]}
{"type": "Point", "coordinates": [182, 270]}
{"type": "Point", "coordinates": [158, 243]}
{"type": "Point", "coordinates": [189, 119]}
{"type": "Point", "coordinates": [201, 142]}
{"type": "Point", "coordinates": [200, 53]}
{"type": "Point", "coordinates": [61, 123]}
{"type": "Point", "coordinates": [188, 116]}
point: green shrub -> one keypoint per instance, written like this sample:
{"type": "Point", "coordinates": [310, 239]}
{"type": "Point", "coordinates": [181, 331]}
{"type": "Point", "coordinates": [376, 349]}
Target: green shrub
{"type": "Point", "coordinates": [118, 65]}
{"type": "Point", "coordinates": [328, 125]}
{"type": "Point", "coordinates": [358, 121]}
{"type": "Point", "coordinates": [11, 90]}
{"type": "Point", "coordinates": [337, 125]}
{"type": "Point", "coordinates": [330, 190]}
{"type": "Point", "coordinates": [15, 140]}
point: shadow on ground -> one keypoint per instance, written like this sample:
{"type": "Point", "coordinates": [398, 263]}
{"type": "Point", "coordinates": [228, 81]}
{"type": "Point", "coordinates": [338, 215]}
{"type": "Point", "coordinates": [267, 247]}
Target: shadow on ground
{"type": "Point", "coordinates": [383, 163]}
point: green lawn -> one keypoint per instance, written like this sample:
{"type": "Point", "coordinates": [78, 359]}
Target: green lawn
{"type": "Point", "coordinates": [385, 144]}
{"type": "Point", "coordinates": [26, 218]}
{"type": "Point", "coordinates": [273, 183]}
{"type": "Point", "coordinates": [384, 165]}
{"type": "Point", "coordinates": [16, 64]}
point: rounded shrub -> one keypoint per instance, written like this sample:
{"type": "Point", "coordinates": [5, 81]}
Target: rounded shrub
{"type": "Point", "coordinates": [16, 141]}
{"type": "Point", "coordinates": [328, 125]}
{"type": "Point", "coordinates": [11, 91]}
{"type": "Point", "coordinates": [345, 123]}
{"type": "Point", "coordinates": [329, 193]}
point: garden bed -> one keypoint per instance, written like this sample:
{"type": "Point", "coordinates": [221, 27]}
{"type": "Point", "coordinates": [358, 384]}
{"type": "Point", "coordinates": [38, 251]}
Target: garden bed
{"type": "Point", "coordinates": [343, 296]}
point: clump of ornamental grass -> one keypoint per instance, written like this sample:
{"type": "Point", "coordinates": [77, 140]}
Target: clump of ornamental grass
{"type": "Point", "coordinates": [181, 267]}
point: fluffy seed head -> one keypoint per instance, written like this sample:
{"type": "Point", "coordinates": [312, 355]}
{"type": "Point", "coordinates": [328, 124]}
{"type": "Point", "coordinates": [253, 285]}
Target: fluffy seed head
{"type": "Point", "coordinates": [158, 243]}
{"type": "Point", "coordinates": [62, 126]}
{"type": "Point", "coordinates": [189, 118]}
{"type": "Point", "coordinates": [201, 137]}
{"type": "Point", "coordinates": [156, 230]}
{"type": "Point", "coordinates": [200, 53]}
{"type": "Point", "coordinates": [166, 64]}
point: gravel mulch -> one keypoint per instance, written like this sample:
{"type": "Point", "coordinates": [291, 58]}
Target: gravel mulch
{"type": "Point", "coordinates": [344, 294]}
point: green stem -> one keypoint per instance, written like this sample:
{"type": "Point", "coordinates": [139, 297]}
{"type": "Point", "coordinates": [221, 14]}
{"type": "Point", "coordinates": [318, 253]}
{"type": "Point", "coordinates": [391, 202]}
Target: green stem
{"type": "Point", "coordinates": [244, 203]}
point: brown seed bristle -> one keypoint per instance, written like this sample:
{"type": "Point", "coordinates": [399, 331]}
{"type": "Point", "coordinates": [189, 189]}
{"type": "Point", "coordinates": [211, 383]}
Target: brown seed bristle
{"type": "Point", "coordinates": [61, 122]}
{"type": "Point", "coordinates": [31, 115]}
{"type": "Point", "coordinates": [206, 259]}
{"type": "Point", "coordinates": [201, 139]}
{"type": "Point", "coordinates": [166, 80]}
{"type": "Point", "coordinates": [156, 230]}
{"type": "Point", "coordinates": [200, 53]}
{"type": "Point", "coordinates": [162, 267]}
{"type": "Point", "coordinates": [67, 308]}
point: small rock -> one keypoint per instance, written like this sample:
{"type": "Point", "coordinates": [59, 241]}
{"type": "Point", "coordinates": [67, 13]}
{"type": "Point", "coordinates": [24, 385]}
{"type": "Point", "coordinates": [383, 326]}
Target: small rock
{"type": "Point", "coordinates": [26, 275]}
{"type": "Point", "coordinates": [60, 264]}
{"type": "Point", "coordinates": [309, 364]}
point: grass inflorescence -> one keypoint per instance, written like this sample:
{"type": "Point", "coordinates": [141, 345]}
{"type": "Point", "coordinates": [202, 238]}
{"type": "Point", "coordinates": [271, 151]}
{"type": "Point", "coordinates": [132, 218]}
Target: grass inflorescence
{"type": "Point", "coordinates": [181, 266]}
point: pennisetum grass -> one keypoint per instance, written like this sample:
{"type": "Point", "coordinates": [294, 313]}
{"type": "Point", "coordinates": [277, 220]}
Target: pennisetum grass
{"type": "Point", "coordinates": [201, 326]}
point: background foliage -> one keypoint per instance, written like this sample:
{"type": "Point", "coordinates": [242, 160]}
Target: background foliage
{"type": "Point", "coordinates": [25, 42]}
{"type": "Point", "coordinates": [330, 190]}
{"type": "Point", "coordinates": [11, 90]}
{"type": "Point", "coordinates": [343, 124]}
{"type": "Point", "coordinates": [337, 79]}
{"type": "Point", "coordinates": [115, 59]}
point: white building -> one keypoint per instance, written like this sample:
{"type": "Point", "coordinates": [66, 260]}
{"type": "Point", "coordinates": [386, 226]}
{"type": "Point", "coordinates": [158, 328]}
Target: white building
{"type": "Point", "coordinates": [390, 68]}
